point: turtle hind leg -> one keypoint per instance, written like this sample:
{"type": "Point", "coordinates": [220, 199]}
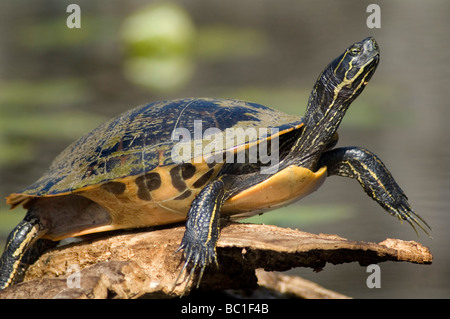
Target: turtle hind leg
{"type": "Point", "coordinates": [375, 179]}
{"type": "Point", "coordinates": [17, 244]}
{"type": "Point", "coordinates": [202, 230]}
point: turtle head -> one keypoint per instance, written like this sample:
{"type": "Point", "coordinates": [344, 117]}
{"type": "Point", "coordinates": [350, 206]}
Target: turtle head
{"type": "Point", "coordinates": [336, 88]}
{"type": "Point", "coordinates": [344, 79]}
{"type": "Point", "coordinates": [347, 75]}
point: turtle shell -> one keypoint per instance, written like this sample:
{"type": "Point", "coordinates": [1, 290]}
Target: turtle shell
{"type": "Point", "coordinates": [140, 141]}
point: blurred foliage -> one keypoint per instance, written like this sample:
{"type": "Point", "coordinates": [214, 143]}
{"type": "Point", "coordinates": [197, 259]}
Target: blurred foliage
{"type": "Point", "coordinates": [42, 94]}
{"type": "Point", "coordinates": [298, 216]}
{"type": "Point", "coordinates": [220, 42]}
{"type": "Point", "coordinates": [38, 110]}
{"type": "Point", "coordinates": [47, 34]}
{"type": "Point", "coordinates": [9, 219]}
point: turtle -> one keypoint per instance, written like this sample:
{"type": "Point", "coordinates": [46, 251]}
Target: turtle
{"type": "Point", "coordinates": [202, 161]}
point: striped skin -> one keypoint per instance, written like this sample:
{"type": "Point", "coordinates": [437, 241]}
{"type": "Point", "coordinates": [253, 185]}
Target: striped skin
{"type": "Point", "coordinates": [376, 180]}
{"type": "Point", "coordinates": [27, 231]}
{"type": "Point", "coordinates": [336, 88]}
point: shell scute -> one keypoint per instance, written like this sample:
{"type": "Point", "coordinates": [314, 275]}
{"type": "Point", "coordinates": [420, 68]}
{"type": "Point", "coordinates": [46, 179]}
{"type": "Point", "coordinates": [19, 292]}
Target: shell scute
{"type": "Point", "coordinates": [140, 140]}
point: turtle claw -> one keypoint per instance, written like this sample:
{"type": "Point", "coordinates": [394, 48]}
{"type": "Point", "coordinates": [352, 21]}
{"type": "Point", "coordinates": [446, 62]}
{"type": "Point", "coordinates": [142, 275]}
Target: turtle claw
{"type": "Point", "coordinates": [197, 258]}
{"type": "Point", "coordinates": [403, 211]}
{"type": "Point", "coordinates": [414, 219]}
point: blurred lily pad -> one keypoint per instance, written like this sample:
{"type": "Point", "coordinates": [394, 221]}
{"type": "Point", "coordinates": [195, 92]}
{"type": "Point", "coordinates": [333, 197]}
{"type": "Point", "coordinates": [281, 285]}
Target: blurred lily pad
{"type": "Point", "coordinates": [158, 41]}
{"type": "Point", "coordinates": [160, 74]}
{"type": "Point", "coordinates": [160, 29]}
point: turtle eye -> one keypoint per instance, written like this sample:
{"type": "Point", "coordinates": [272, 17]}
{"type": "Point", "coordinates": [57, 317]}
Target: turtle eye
{"type": "Point", "coordinates": [354, 51]}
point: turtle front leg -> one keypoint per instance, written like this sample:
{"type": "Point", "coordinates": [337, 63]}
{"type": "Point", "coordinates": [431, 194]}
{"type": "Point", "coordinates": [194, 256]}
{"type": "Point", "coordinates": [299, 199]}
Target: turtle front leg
{"type": "Point", "coordinates": [202, 229]}
{"type": "Point", "coordinates": [375, 179]}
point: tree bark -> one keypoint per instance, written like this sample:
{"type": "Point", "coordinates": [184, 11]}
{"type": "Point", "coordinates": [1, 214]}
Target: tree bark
{"type": "Point", "coordinates": [142, 263]}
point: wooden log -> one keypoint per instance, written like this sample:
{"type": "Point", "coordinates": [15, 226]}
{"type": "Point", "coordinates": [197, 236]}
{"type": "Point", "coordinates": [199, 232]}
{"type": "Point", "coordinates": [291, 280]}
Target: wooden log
{"type": "Point", "coordinates": [144, 263]}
